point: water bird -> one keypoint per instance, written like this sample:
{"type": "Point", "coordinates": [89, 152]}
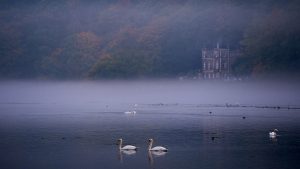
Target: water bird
{"type": "Point", "coordinates": [130, 112]}
{"type": "Point", "coordinates": [244, 117]}
{"type": "Point", "coordinates": [273, 133]}
{"type": "Point", "coordinates": [210, 112]}
{"type": "Point", "coordinates": [157, 148]}
{"type": "Point", "coordinates": [127, 147]}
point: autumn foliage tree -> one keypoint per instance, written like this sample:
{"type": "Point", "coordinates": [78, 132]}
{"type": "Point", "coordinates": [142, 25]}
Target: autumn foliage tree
{"type": "Point", "coordinates": [74, 59]}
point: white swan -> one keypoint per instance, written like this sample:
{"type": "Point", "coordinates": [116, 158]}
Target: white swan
{"type": "Point", "coordinates": [273, 133]}
{"type": "Point", "coordinates": [157, 148]}
{"type": "Point", "coordinates": [130, 112]}
{"type": "Point", "coordinates": [127, 147]}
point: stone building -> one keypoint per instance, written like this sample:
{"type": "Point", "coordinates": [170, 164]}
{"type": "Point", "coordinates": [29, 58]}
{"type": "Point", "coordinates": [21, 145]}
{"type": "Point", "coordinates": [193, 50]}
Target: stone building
{"type": "Point", "coordinates": [215, 63]}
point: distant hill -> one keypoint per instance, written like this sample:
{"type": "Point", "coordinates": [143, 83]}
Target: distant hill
{"type": "Point", "coordinates": [139, 38]}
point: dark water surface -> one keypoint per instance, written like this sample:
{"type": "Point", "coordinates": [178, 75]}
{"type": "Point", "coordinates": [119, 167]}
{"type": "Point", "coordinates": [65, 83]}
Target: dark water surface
{"type": "Point", "coordinates": [76, 125]}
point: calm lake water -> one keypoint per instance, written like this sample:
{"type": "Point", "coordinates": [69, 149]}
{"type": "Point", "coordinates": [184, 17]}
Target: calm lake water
{"type": "Point", "coordinates": [76, 124]}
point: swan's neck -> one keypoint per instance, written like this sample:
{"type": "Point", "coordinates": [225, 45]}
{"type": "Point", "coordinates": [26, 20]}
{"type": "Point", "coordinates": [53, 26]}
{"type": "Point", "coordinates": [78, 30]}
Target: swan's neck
{"type": "Point", "coordinates": [150, 145]}
{"type": "Point", "coordinates": [120, 144]}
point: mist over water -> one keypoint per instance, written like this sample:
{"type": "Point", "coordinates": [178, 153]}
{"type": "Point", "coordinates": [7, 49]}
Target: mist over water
{"type": "Point", "coordinates": [102, 93]}
{"type": "Point", "coordinates": [75, 124]}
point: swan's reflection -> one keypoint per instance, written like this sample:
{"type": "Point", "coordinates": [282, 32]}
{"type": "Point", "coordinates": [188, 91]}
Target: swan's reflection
{"type": "Point", "coordinates": [273, 139]}
{"type": "Point", "coordinates": [152, 154]}
{"type": "Point", "coordinates": [126, 152]}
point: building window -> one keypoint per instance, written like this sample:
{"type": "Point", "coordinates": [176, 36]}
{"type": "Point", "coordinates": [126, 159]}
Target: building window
{"type": "Point", "coordinates": [217, 65]}
{"type": "Point", "coordinates": [204, 66]}
{"type": "Point", "coordinates": [216, 53]}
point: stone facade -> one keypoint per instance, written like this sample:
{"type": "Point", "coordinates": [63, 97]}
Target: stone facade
{"type": "Point", "coordinates": [215, 63]}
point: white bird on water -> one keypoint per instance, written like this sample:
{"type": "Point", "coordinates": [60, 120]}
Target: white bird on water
{"type": "Point", "coordinates": [130, 112]}
{"type": "Point", "coordinates": [273, 133]}
{"type": "Point", "coordinates": [157, 148]}
{"type": "Point", "coordinates": [127, 147]}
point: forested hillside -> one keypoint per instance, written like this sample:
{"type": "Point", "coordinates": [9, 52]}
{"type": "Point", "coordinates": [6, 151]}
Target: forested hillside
{"type": "Point", "coordinates": [140, 38]}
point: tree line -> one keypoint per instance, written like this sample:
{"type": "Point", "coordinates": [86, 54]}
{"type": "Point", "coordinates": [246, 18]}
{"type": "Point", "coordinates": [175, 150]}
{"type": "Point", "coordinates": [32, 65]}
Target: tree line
{"type": "Point", "coordinates": [135, 38]}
